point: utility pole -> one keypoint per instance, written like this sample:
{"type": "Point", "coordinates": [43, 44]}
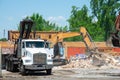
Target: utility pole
{"type": "Point", "coordinates": [4, 33]}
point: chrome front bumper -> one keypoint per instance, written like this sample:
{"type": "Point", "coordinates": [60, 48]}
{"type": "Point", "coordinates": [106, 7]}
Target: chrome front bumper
{"type": "Point", "coordinates": [38, 67]}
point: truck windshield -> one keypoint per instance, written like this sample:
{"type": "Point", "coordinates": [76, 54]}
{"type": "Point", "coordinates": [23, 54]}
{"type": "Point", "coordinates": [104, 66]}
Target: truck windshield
{"type": "Point", "coordinates": [36, 44]}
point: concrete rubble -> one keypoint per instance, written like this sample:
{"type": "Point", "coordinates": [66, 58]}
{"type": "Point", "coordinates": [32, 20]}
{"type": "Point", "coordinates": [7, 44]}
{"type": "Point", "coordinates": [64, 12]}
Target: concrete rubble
{"type": "Point", "coordinates": [104, 60]}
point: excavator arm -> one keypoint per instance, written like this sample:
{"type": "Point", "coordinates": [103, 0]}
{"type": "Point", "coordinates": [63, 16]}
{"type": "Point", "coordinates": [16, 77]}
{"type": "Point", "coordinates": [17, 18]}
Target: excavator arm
{"type": "Point", "coordinates": [87, 39]}
{"type": "Point", "coordinates": [83, 32]}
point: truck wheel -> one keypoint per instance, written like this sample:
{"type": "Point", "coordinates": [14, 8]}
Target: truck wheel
{"type": "Point", "coordinates": [49, 71]}
{"type": "Point", "coordinates": [11, 66]}
{"type": "Point", "coordinates": [22, 69]}
{"type": "Point", "coordinates": [16, 68]}
{"type": "Point", "coordinates": [8, 65]}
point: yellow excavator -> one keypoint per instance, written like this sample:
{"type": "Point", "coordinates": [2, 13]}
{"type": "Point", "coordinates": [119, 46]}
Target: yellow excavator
{"type": "Point", "coordinates": [57, 41]}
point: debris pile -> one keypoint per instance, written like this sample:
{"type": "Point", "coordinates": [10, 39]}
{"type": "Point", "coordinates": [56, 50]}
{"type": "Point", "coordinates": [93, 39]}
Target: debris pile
{"type": "Point", "coordinates": [83, 63]}
{"type": "Point", "coordinates": [96, 61]}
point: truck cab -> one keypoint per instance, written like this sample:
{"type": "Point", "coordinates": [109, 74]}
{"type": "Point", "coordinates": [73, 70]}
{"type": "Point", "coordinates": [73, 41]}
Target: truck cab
{"type": "Point", "coordinates": [36, 55]}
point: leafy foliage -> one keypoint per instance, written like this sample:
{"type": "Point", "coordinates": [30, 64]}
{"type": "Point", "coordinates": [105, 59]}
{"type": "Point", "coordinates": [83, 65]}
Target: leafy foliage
{"type": "Point", "coordinates": [3, 39]}
{"type": "Point", "coordinates": [105, 12]}
{"type": "Point", "coordinates": [42, 25]}
{"type": "Point", "coordinates": [101, 23]}
{"type": "Point", "coordinates": [80, 17]}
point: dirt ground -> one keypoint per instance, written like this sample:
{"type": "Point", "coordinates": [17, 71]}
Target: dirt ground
{"type": "Point", "coordinates": [59, 73]}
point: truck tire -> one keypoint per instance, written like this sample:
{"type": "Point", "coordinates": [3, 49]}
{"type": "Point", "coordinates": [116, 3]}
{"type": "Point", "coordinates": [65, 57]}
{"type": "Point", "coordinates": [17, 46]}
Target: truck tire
{"type": "Point", "coordinates": [22, 69]}
{"type": "Point", "coordinates": [8, 65]}
{"type": "Point", "coordinates": [11, 66]}
{"type": "Point", "coordinates": [49, 71]}
{"type": "Point", "coordinates": [16, 68]}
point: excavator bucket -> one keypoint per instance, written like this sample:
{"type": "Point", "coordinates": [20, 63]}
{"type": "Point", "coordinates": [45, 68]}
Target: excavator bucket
{"type": "Point", "coordinates": [96, 57]}
{"type": "Point", "coordinates": [97, 61]}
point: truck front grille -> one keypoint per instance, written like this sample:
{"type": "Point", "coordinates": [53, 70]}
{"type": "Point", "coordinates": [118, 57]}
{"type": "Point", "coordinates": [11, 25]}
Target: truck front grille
{"type": "Point", "coordinates": [39, 58]}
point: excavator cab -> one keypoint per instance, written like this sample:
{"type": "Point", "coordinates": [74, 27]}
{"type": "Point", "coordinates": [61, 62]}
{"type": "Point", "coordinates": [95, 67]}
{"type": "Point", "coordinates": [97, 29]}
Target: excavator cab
{"type": "Point", "coordinates": [58, 50]}
{"type": "Point", "coordinates": [115, 40]}
{"type": "Point", "coordinates": [116, 36]}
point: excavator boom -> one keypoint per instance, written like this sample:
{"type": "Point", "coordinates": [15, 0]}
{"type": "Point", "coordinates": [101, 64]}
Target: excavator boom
{"type": "Point", "coordinates": [83, 32]}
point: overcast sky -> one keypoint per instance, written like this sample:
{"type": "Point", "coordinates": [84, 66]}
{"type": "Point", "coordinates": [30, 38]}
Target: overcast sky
{"type": "Point", "coordinates": [13, 11]}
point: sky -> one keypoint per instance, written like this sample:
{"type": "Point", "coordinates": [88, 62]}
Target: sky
{"type": "Point", "coordinates": [56, 11]}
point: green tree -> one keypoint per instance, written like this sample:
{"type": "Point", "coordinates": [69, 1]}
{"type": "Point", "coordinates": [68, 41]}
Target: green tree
{"type": "Point", "coordinates": [43, 25]}
{"type": "Point", "coordinates": [64, 29]}
{"type": "Point", "coordinates": [105, 12]}
{"type": "Point", "coordinates": [3, 39]}
{"type": "Point", "coordinates": [80, 17]}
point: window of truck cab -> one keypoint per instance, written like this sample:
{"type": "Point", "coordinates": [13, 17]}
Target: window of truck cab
{"type": "Point", "coordinates": [36, 44]}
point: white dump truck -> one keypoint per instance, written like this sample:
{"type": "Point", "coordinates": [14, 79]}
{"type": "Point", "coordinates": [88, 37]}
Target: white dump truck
{"type": "Point", "coordinates": [29, 54]}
